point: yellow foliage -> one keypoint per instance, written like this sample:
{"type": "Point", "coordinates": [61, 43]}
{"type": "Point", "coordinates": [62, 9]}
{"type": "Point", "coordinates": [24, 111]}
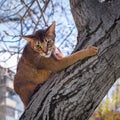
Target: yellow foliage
{"type": "Point", "coordinates": [112, 116]}
{"type": "Point", "coordinates": [108, 116]}
{"type": "Point", "coordinates": [107, 109]}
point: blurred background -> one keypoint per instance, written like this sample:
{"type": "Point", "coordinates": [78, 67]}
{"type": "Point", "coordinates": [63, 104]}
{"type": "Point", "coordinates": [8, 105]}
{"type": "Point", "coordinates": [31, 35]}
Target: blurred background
{"type": "Point", "coordinates": [23, 17]}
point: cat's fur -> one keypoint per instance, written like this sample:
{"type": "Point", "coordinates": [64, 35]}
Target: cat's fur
{"type": "Point", "coordinates": [38, 62]}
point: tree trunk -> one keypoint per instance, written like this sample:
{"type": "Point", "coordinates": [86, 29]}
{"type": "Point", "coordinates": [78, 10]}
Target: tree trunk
{"type": "Point", "coordinates": [74, 93]}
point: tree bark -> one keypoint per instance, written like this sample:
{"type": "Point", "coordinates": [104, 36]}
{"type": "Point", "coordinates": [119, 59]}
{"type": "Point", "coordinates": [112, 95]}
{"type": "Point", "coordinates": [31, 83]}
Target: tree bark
{"type": "Point", "coordinates": [74, 93]}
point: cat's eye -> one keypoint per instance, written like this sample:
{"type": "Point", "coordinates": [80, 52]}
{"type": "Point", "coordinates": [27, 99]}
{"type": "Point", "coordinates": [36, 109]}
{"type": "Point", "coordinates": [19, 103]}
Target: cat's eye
{"type": "Point", "coordinates": [49, 42]}
{"type": "Point", "coordinates": [37, 45]}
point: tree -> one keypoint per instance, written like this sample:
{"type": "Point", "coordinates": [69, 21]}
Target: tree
{"type": "Point", "coordinates": [74, 93]}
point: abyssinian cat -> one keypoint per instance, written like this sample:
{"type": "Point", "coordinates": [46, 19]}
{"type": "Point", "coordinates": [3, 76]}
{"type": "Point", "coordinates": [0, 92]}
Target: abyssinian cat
{"type": "Point", "coordinates": [40, 58]}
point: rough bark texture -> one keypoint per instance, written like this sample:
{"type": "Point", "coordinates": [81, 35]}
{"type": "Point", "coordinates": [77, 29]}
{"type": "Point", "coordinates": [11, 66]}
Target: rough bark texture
{"type": "Point", "coordinates": [74, 93]}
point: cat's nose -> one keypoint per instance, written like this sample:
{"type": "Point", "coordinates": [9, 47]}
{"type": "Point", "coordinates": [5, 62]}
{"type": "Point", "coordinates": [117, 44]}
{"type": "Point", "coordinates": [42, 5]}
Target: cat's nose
{"type": "Point", "coordinates": [44, 50]}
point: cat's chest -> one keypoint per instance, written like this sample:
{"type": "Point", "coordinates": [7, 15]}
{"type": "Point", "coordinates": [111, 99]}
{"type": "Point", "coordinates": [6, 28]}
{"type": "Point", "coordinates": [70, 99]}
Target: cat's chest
{"type": "Point", "coordinates": [31, 73]}
{"type": "Point", "coordinates": [25, 68]}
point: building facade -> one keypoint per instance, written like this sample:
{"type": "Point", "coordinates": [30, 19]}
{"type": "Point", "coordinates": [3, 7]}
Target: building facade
{"type": "Point", "coordinates": [8, 98]}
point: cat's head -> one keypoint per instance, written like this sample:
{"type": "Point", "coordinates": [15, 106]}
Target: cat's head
{"type": "Point", "coordinates": [42, 41]}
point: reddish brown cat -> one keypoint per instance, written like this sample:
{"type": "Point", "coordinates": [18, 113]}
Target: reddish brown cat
{"type": "Point", "coordinates": [40, 58]}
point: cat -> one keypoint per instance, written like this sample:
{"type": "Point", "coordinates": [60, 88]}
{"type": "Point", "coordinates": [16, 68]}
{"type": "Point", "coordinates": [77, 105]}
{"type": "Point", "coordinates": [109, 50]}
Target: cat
{"type": "Point", "coordinates": [40, 58]}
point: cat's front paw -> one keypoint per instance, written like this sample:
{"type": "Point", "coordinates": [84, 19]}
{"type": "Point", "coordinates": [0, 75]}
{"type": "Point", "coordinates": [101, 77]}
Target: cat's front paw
{"type": "Point", "coordinates": [91, 50]}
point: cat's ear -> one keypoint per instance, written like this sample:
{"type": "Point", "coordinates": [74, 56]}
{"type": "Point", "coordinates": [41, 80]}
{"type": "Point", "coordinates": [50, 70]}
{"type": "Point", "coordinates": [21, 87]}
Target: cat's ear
{"type": "Point", "coordinates": [51, 30]}
{"type": "Point", "coordinates": [29, 38]}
